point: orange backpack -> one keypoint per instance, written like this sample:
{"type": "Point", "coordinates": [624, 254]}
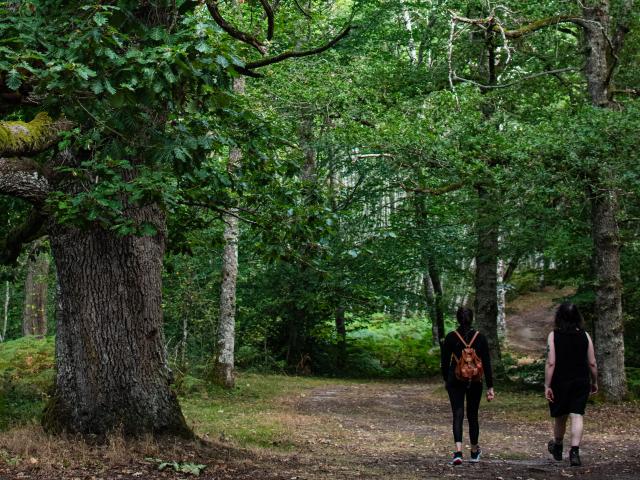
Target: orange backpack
{"type": "Point", "coordinates": [468, 366]}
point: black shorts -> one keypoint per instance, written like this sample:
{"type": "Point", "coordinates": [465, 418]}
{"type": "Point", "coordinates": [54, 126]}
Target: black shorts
{"type": "Point", "coordinates": [569, 397]}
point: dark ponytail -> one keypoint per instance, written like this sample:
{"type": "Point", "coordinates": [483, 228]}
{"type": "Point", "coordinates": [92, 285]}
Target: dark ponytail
{"type": "Point", "coordinates": [465, 319]}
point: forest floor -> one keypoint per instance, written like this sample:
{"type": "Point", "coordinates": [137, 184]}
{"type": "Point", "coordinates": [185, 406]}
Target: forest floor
{"type": "Point", "coordinates": [322, 429]}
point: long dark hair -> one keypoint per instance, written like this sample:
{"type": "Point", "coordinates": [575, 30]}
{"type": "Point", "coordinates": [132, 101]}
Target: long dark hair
{"type": "Point", "coordinates": [465, 318]}
{"type": "Point", "coordinates": [568, 318]}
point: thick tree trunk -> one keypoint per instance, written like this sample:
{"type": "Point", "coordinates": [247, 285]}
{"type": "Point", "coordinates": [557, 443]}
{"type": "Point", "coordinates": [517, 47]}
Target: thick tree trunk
{"type": "Point", "coordinates": [603, 46]}
{"type": "Point", "coordinates": [34, 318]}
{"type": "Point", "coordinates": [112, 370]}
{"type": "Point", "coordinates": [486, 276]}
{"type": "Point", "coordinates": [225, 360]}
{"type": "Point", "coordinates": [609, 339]}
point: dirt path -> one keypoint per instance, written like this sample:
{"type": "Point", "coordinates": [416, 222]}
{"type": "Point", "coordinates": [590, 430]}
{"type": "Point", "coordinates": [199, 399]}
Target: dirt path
{"type": "Point", "coordinates": [530, 319]}
{"type": "Point", "coordinates": [402, 431]}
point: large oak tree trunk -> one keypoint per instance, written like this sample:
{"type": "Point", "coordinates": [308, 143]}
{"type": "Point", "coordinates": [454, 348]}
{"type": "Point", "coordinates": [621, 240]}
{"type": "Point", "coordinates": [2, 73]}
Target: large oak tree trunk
{"type": "Point", "coordinates": [112, 370]}
{"type": "Point", "coordinates": [34, 318]}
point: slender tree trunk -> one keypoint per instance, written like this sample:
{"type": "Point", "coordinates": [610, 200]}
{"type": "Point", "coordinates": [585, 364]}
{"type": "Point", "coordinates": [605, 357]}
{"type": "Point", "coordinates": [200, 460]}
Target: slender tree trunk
{"type": "Point", "coordinates": [603, 46]}
{"type": "Point", "coordinates": [225, 355]}
{"type": "Point", "coordinates": [112, 370]}
{"type": "Point", "coordinates": [433, 287]}
{"type": "Point", "coordinates": [486, 275]}
{"type": "Point", "coordinates": [438, 304]}
{"type": "Point", "coordinates": [34, 318]}
{"type": "Point", "coordinates": [430, 297]}
{"type": "Point", "coordinates": [7, 297]}
{"type": "Point", "coordinates": [502, 299]}
{"type": "Point", "coordinates": [341, 331]}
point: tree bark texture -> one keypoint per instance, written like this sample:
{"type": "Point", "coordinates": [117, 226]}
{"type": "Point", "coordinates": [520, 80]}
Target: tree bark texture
{"type": "Point", "coordinates": [609, 334]}
{"type": "Point", "coordinates": [603, 45]}
{"type": "Point", "coordinates": [34, 317]}
{"type": "Point", "coordinates": [112, 370]}
{"type": "Point", "coordinates": [225, 360]}
{"type": "Point", "coordinates": [486, 278]}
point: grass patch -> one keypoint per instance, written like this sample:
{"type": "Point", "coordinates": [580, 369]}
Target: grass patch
{"type": "Point", "coordinates": [251, 415]}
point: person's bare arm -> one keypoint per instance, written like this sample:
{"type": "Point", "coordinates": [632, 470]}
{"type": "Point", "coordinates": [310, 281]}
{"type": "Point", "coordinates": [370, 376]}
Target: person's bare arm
{"type": "Point", "coordinates": [593, 366]}
{"type": "Point", "coordinates": [549, 368]}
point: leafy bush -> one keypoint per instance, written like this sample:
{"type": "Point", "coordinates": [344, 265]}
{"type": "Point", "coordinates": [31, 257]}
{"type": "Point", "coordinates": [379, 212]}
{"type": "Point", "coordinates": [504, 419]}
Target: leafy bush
{"type": "Point", "coordinates": [633, 381]}
{"type": "Point", "coordinates": [26, 375]}
{"type": "Point", "coordinates": [379, 347]}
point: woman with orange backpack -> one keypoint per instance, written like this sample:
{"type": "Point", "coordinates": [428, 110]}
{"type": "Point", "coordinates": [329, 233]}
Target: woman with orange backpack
{"type": "Point", "coordinates": [464, 361]}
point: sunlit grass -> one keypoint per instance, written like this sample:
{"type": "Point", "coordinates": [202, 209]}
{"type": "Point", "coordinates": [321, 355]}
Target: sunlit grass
{"type": "Point", "coordinates": [254, 414]}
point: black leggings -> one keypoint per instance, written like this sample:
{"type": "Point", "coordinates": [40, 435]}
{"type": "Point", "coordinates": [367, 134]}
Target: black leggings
{"type": "Point", "coordinates": [473, 392]}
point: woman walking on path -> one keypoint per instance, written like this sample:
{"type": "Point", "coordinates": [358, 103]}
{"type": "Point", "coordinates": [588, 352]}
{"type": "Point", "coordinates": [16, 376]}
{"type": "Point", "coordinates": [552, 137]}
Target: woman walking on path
{"type": "Point", "coordinates": [460, 387]}
{"type": "Point", "coordinates": [570, 377]}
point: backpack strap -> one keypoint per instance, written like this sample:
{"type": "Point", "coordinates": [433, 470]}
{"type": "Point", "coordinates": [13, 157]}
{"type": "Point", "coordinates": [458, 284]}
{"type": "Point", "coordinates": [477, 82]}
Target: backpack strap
{"type": "Point", "coordinates": [467, 345]}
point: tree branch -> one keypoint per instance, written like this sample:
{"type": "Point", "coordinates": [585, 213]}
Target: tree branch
{"type": "Point", "coordinates": [212, 6]}
{"type": "Point", "coordinates": [30, 138]}
{"type": "Point", "coordinates": [31, 229]}
{"type": "Point", "coordinates": [297, 54]}
{"type": "Point", "coordinates": [434, 191]}
{"type": "Point", "coordinates": [489, 23]}
{"type": "Point", "coordinates": [268, 10]}
{"type": "Point", "coordinates": [634, 92]}
{"type": "Point", "coordinates": [514, 82]}
{"type": "Point", "coordinates": [23, 178]}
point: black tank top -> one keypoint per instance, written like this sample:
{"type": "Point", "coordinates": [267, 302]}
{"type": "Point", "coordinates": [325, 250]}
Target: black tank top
{"type": "Point", "coordinates": [571, 356]}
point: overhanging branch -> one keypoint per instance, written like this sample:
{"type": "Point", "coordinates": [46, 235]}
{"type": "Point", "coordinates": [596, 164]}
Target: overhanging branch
{"type": "Point", "coordinates": [30, 138]}
{"type": "Point", "coordinates": [297, 54]}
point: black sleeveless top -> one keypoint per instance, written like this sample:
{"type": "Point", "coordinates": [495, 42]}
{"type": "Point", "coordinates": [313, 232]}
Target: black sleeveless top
{"type": "Point", "coordinates": [571, 356]}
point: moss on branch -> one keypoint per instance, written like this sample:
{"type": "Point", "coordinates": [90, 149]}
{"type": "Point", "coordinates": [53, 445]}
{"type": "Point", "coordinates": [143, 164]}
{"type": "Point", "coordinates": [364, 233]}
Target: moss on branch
{"type": "Point", "coordinates": [29, 138]}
